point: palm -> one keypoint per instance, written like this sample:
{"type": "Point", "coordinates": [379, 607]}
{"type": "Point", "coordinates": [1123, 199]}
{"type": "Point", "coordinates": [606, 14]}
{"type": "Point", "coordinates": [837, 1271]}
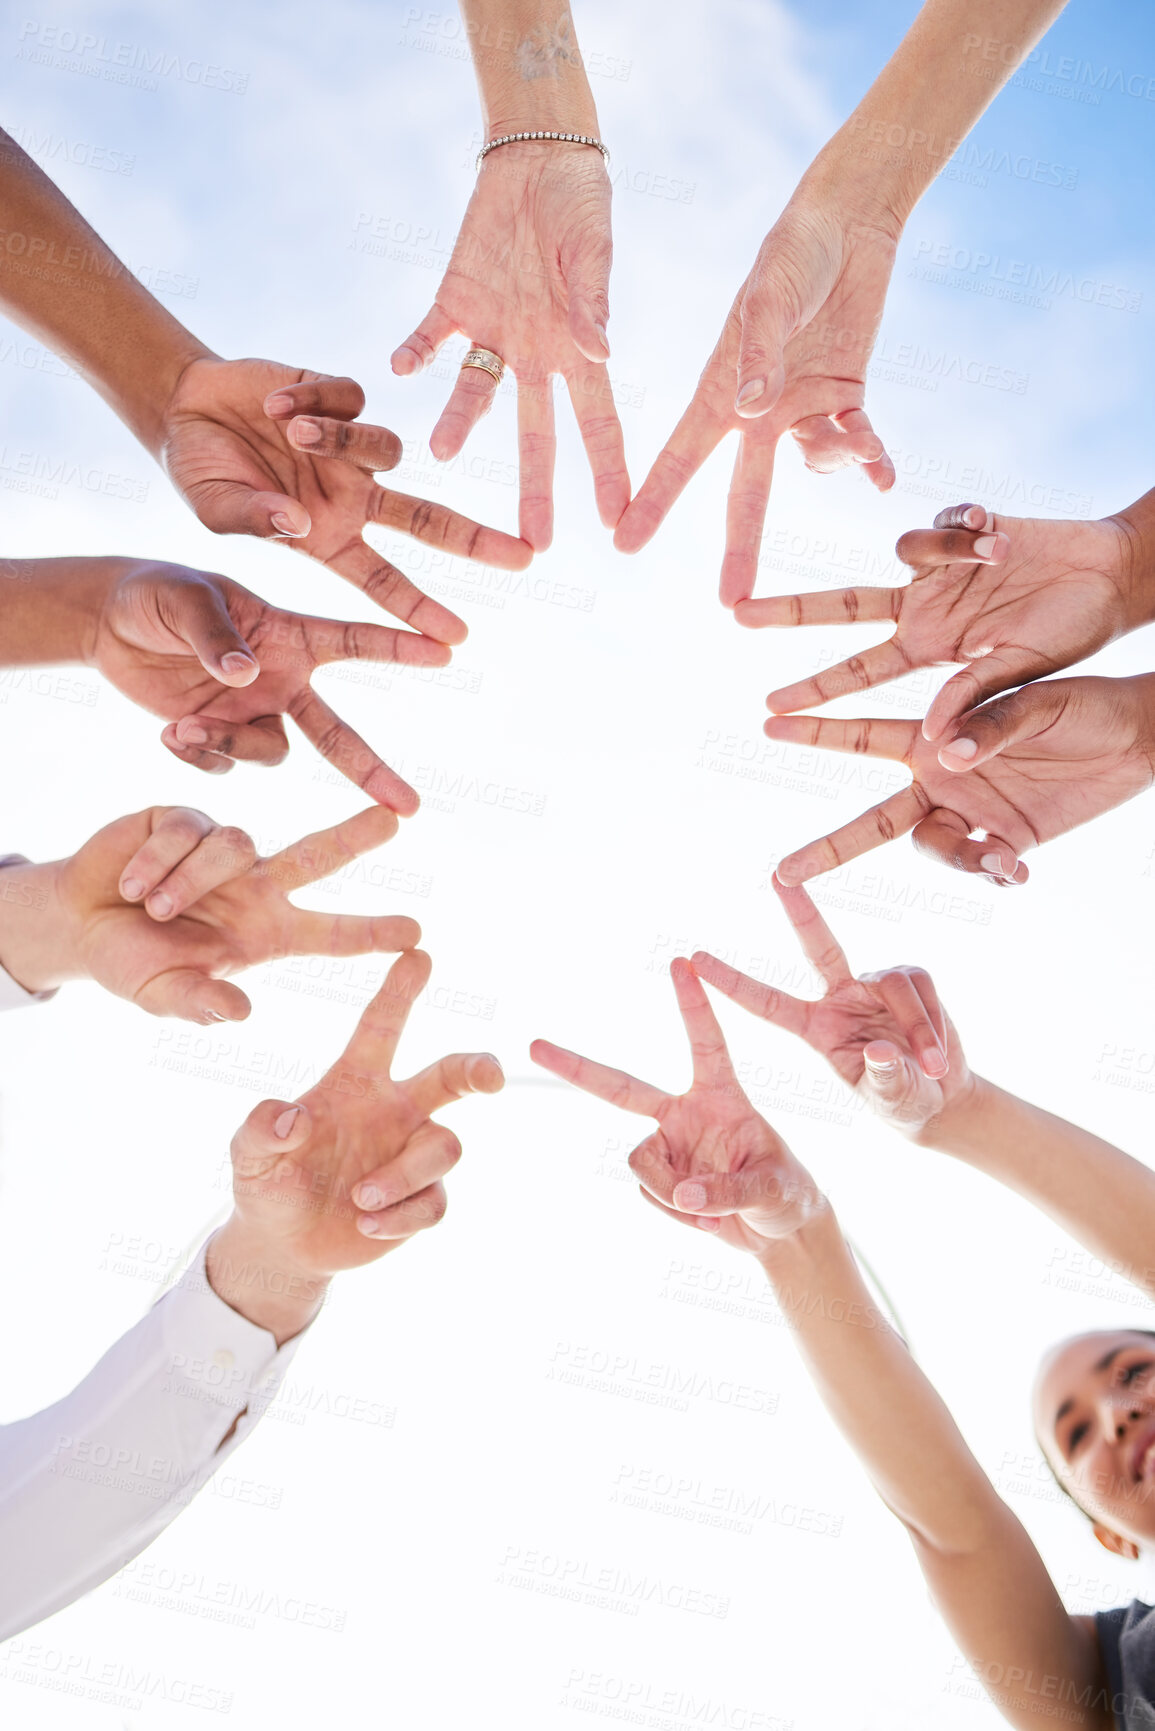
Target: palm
{"type": "Point", "coordinates": [1081, 749]}
{"type": "Point", "coordinates": [245, 920]}
{"type": "Point", "coordinates": [234, 465]}
{"type": "Point", "coordinates": [898, 1007]}
{"type": "Point", "coordinates": [710, 1132]}
{"type": "Point", "coordinates": [1058, 596]}
{"type": "Point", "coordinates": [362, 1125]}
{"type": "Point", "coordinates": [526, 280]}
{"type": "Point", "coordinates": [349, 1139]}
{"type": "Point", "coordinates": [828, 286]}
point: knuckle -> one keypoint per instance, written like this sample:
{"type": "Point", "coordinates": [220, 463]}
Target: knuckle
{"type": "Point", "coordinates": [237, 846]}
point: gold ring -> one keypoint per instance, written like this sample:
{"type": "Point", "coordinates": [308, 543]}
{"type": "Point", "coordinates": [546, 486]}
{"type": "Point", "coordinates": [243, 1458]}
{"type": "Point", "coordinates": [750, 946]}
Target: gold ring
{"type": "Point", "coordinates": [486, 361]}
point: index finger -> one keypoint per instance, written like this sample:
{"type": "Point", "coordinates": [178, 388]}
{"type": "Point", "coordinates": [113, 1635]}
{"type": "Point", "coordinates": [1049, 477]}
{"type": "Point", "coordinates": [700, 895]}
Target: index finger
{"type": "Point", "coordinates": [374, 1042]}
{"type": "Point", "coordinates": [389, 588]}
{"type": "Point", "coordinates": [882, 823]}
{"type": "Point", "coordinates": [700, 431]}
{"type": "Point", "coordinates": [319, 855]}
{"type": "Point", "coordinates": [616, 1086]}
{"type": "Point", "coordinates": [746, 505]}
{"type": "Point", "coordinates": [438, 526]}
{"type": "Point", "coordinates": [819, 607]}
{"type": "Point", "coordinates": [349, 754]}
{"type": "Point", "coordinates": [711, 1059]}
{"type": "Point", "coordinates": [818, 943]}
{"type": "Point", "coordinates": [867, 735]}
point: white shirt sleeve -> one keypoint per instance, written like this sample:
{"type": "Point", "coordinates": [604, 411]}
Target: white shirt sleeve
{"type": "Point", "coordinates": [86, 1484]}
{"type": "Point", "coordinates": [12, 994]}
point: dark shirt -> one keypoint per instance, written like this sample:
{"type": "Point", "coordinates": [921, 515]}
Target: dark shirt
{"type": "Point", "coordinates": [1127, 1643]}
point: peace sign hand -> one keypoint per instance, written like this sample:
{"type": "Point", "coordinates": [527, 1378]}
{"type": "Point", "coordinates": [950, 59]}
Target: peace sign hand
{"type": "Point", "coordinates": [257, 448]}
{"type": "Point", "coordinates": [352, 1169]}
{"type": "Point", "coordinates": [1010, 598]}
{"type": "Point", "coordinates": [1022, 770]}
{"type": "Point", "coordinates": [713, 1162]}
{"type": "Point", "coordinates": [885, 1034]}
{"type": "Point", "coordinates": [161, 906]}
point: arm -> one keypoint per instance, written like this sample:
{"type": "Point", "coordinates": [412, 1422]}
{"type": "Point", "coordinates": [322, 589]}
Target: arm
{"type": "Point", "coordinates": [715, 1164]}
{"type": "Point", "coordinates": [254, 447]}
{"type": "Point", "coordinates": [529, 276]}
{"type": "Point", "coordinates": [1101, 1196]}
{"type": "Point", "coordinates": [986, 1576]}
{"type": "Point", "coordinates": [86, 1484]}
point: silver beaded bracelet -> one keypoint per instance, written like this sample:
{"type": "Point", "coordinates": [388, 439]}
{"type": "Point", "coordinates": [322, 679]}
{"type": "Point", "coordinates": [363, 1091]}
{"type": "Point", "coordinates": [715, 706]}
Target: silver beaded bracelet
{"type": "Point", "coordinates": [559, 137]}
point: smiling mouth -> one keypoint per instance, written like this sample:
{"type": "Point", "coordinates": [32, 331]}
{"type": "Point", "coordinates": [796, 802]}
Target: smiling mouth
{"type": "Point", "coordinates": [1143, 1455]}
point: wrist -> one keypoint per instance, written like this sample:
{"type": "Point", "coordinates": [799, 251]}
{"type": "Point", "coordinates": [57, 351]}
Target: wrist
{"type": "Point", "coordinates": [39, 936]}
{"type": "Point", "coordinates": [1136, 526]}
{"type": "Point", "coordinates": [530, 74]}
{"type": "Point", "coordinates": [261, 1281]}
{"type": "Point", "coordinates": [847, 183]}
{"type": "Point", "coordinates": [1142, 688]}
{"type": "Point", "coordinates": [959, 1128]}
{"type": "Point", "coordinates": [783, 1257]}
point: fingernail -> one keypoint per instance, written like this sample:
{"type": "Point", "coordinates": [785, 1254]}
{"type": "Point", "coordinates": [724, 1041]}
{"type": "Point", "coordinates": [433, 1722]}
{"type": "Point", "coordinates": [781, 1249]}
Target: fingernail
{"type": "Point", "coordinates": [933, 1063]}
{"type": "Point", "coordinates": [285, 1122]}
{"type": "Point", "coordinates": [880, 1063]}
{"type": "Point", "coordinates": [284, 525]}
{"type": "Point", "coordinates": [960, 748]}
{"type": "Point", "coordinates": [601, 330]}
{"type": "Point", "coordinates": [985, 545]}
{"type": "Point", "coordinates": [278, 404]}
{"type": "Point", "coordinates": [306, 432]}
{"type": "Point", "coordinates": [191, 733]}
{"type": "Point", "coordinates": [237, 662]}
{"type": "Point", "coordinates": [993, 862]}
{"type": "Point", "coordinates": [132, 889]}
{"type": "Point", "coordinates": [975, 517]}
{"type": "Point", "coordinates": [367, 1223]}
{"type": "Point", "coordinates": [750, 392]}
{"type": "Point", "coordinates": [705, 1224]}
{"type": "Point", "coordinates": [689, 1197]}
{"type": "Point", "coordinates": [160, 904]}
{"type": "Point", "coordinates": [212, 1015]}
{"type": "Point", "coordinates": [368, 1196]}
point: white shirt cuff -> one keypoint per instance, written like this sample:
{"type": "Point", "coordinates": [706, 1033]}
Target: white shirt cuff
{"type": "Point", "coordinates": [12, 993]}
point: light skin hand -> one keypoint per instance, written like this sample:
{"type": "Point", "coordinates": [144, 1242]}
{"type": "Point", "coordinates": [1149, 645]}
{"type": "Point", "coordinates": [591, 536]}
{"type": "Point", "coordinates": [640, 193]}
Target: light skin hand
{"type": "Point", "coordinates": [713, 1161]}
{"type": "Point", "coordinates": [1045, 759]}
{"type": "Point", "coordinates": [353, 1168]}
{"type": "Point", "coordinates": [224, 668]}
{"type": "Point", "coordinates": [161, 906]}
{"type": "Point", "coordinates": [885, 1034]}
{"type": "Point", "coordinates": [1011, 598]}
{"type": "Point", "coordinates": [257, 448]}
{"type": "Point", "coordinates": [792, 358]}
{"type": "Point", "coordinates": [529, 279]}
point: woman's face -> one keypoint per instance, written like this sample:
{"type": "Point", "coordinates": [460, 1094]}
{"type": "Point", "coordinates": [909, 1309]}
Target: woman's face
{"type": "Point", "coordinates": [1094, 1403]}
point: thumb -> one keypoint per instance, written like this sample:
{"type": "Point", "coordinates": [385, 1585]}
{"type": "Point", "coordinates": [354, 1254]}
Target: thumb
{"type": "Point", "coordinates": [193, 997]}
{"type": "Point", "coordinates": [760, 1194]}
{"type": "Point", "coordinates": [888, 1077]}
{"type": "Point", "coordinates": [985, 732]}
{"type": "Point", "coordinates": [199, 614]}
{"type": "Point", "coordinates": [271, 1130]}
{"type": "Point", "coordinates": [231, 508]}
{"type": "Point", "coordinates": [986, 676]}
{"type": "Point", "coordinates": [767, 325]}
{"type": "Point", "coordinates": [587, 276]}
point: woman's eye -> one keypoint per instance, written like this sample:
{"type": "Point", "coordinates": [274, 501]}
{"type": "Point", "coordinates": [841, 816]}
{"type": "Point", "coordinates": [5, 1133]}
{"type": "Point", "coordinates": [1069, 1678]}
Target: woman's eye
{"type": "Point", "coordinates": [1076, 1438]}
{"type": "Point", "coordinates": [1134, 1370]}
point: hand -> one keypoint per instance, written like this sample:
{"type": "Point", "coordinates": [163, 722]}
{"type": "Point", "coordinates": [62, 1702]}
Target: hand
{"type": "Point", "coordinates": [257, 448]}
{"type": "Point", "coordinates": [885, 1034]}
{"type": "Point", "coordinates": [1012, 597]}
{"type": "Point", "coordinates": [713, 1162]}
{"type": "Point", "coordinates": [792, 357]}
{"type": "Point", "coordinates": [354, 1168]}
{"type": "Point", "coordinates": [529, 279]}
{"type": "Point", "coordinates": [160, 906]}
{"type": "Point", "coordinates": [224, 668]}
{"type": "Point", "coordinates": [1044, 760]}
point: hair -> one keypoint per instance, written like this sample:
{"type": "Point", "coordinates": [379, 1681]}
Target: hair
{"type": "Point", "coordinates": [1070, 1495]}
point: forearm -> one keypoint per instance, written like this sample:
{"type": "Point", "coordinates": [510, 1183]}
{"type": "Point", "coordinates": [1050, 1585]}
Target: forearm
{"type": "Point", "coordinates": [1101, 1196]}
{"type": "Point", "coordinates": [529, 68]}
{"type": "Point", "coordinates": [262, 1283]}
{"type": "Point", "coordinates": [60, 281]}
{"type": "Point", "coordinates": [875, 1392]}
{"type": "Point", "coordinates": [49, 608]}
{"type": "Point", "coordinates": [952, 62]}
